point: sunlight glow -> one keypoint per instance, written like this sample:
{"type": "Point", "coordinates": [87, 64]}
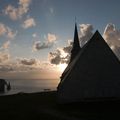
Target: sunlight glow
{"type": "Point", "coordinates": [62, 67]}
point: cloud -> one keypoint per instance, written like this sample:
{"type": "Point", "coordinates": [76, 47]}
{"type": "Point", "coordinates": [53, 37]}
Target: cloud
{"type": "Point", "coordinates": [51, 37]}
{"type": "Point", "coordinates": [6, 31]}
{"type": "Point", "coordinates": [25, 3]}
{"type": "Point", "coordinates": [68, 48]}
{"type": "Point", "coordinates": [61, 55]}
{"type": "Point", "coordinates": [16, 13]}
{"type": "Point", "coordinates": [112, 37]}
{"type": "Point", "coordinates": [6, 45]}
{"type": "Point", "coordinates": [38, 45]}
{"type": "Point", "coordinates": [30, 22]}
{"type": "Point", "coordinates": [12, 12]}
{"type": "Point", "coordinates": [10, 33]}
{"type": "Point", "coordinates": [19, 65]}
{"type": "Point", "coordinates": [85, 33]}
{"type": "Point", "coordinates": [55, 57]}
{"type": "Point", "coordinates": [16, 70]}
{"type": "Point", "coordinates": [28, 62]}
{"type": "Point", "coordinates": [116, 50]}
{"type": "Point", "coordinates": [25, 65]}
{"type": "Point", "coordinates": [6, 68]}
{"type": "Point", "coordinates": [3, 29]}
{"type": "Point", "coordinates": [4, 57]}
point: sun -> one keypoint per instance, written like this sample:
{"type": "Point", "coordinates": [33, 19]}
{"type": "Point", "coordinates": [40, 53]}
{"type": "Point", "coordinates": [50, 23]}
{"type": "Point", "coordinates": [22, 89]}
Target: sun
{"type": "Point", "coordinates": [62, 67]}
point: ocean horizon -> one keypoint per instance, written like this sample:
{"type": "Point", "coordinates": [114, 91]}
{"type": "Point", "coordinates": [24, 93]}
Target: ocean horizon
{"type": "Point", "coordinates": [30, 85]}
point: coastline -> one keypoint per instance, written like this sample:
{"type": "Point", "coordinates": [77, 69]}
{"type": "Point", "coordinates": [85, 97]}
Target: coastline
{"type": "Point", "coordinates": [30, 85]}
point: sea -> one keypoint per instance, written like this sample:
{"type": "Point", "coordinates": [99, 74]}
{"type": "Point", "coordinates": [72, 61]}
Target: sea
{"type": "Point", "coordinates": [31, 85]}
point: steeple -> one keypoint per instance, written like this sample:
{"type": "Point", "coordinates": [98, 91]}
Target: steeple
{"type": "Point", "coordinates": [93, 74]}
{"type": "Point", "coordinates": [76, 46]}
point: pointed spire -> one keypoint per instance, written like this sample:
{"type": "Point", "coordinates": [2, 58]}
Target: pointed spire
{"type": "Point", "coordinates": [76, 46]}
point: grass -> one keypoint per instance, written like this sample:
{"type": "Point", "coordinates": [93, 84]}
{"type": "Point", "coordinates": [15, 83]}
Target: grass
{"type": "Point", "coordinates": [43, 106]}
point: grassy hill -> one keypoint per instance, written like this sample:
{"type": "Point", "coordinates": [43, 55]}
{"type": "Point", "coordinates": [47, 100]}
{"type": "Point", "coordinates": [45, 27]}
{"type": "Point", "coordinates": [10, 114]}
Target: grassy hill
{"type": "Point", "coordinates": [43, 106]}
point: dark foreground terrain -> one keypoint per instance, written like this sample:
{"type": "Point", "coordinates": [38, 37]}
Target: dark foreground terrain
{"type": "Point", "coordinates": [43, 106]}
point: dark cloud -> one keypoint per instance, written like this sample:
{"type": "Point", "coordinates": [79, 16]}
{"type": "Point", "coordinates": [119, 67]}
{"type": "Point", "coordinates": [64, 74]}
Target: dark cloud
{"type": "Point", "coordinates": [55, 57]}
{"type": "Point", "coordinates": [68, 48]}
{"type": "Point", "coordinates": [38, 45]}
{"type": "Point", "coordinates": [25, 61]}
{"type": "Point", "coordinates": [61, 55]}
{"type": "Point", "coordinates": [41, 45]}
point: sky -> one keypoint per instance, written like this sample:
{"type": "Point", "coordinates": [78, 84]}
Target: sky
{"type": "Point", "coordinates": [36, 35]}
